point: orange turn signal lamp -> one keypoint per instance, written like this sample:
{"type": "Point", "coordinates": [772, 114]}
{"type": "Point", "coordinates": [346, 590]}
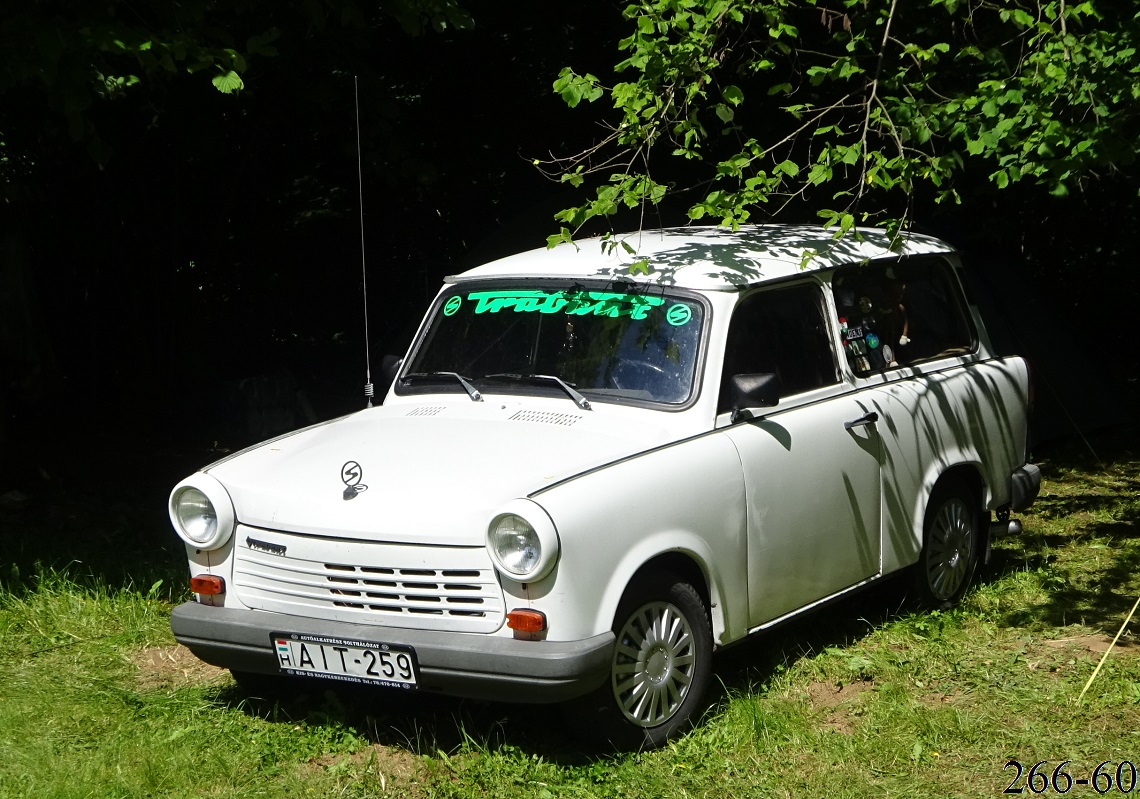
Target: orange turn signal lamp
{"type": "Point", "coordinates": [207, 584]}
{"type": "Point", "coordinates": [526, 621]}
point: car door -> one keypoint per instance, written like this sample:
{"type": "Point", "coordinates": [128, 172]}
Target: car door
{"type": "Point", "coordinates": [910, 343]}
{"type": "Point", "coordinates": [811, 464]}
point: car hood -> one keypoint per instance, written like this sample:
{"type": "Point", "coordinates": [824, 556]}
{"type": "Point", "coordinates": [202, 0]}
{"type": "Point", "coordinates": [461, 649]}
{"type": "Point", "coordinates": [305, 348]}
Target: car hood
{"type": "Point", "coordinates": [430, 473]}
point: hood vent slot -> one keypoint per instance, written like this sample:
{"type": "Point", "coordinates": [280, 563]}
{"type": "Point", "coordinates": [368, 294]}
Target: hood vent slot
{"type": "Point", "coordinates": [426, 410]}
{"type": "Point", "coordinates": [546, 417]}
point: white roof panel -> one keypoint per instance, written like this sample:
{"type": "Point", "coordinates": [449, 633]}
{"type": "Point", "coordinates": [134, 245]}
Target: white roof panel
{"type": "Point", "coordinates": [710, 258]}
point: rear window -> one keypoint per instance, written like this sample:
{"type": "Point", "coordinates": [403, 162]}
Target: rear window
{"type": "Point", "coordinates": [901, 314]}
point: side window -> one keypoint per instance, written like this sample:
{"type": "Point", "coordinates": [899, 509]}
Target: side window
{"type": "Point", "coordinates": [904, 313]}
{"type": "Point", "coordinates": [782, 331]}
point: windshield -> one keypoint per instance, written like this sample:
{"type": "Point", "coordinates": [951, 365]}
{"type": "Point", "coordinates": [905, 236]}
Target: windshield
{"type": "Point", "coordinates": [638, 345]}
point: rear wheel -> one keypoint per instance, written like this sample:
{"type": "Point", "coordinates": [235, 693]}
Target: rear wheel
{"type": "Point", "coordinates": [952, 533]}
{"type": "Point", "coordinates": [660, 669]}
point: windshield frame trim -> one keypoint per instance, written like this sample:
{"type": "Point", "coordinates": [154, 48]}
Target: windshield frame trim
{"type": "Point", "coordinates": [587, 284]}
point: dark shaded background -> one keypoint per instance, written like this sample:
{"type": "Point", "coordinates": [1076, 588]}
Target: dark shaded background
{"type": "Point", "coordinates": [202, 289]}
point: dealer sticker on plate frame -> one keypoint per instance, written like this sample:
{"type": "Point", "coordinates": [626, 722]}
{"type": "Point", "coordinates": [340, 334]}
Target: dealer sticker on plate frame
{"type": "Point", "coordinates": [346, 660]}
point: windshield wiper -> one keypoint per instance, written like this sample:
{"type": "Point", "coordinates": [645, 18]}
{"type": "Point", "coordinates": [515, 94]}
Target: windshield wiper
{"type": "Point", "coordinates": [470, 389]}
{"type": "Point", "coordinates": [579, 400]}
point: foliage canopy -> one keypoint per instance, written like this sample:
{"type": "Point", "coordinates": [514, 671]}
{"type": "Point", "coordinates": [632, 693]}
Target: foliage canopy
{"type": "Point", "coordinates": [862, 106]}
{"type": "Point", "coordinates": [75, 54]}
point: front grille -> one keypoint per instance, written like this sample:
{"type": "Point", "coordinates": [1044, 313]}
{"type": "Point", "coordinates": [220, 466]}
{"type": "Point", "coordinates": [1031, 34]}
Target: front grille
{"type": "Point", "coordinates": [427, 591]}
{"type": "Point", "coordinates": [391, 584]}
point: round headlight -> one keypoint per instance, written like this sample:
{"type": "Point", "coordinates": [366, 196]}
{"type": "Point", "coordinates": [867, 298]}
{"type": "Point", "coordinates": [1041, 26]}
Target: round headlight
{"type": "Point", "coordinates": [196, 515]}
{"type": "Point", "coordinates": [515, 544]}
{"type": "Point", "coordinates": [522, 541]}
{"type": "Point", "coordinates": [201, 512]}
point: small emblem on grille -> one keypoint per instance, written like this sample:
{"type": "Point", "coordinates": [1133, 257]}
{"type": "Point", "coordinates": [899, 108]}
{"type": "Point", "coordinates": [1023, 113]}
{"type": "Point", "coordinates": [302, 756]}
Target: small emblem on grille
{"type": "Point", "coordinates": [351, 474]}
{"type": "Point", "coordinates": [264, 546]}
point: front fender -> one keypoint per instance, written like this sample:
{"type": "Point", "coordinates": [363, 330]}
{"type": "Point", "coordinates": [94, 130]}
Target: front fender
{"type": "Point", "coordinates": [686, 498]}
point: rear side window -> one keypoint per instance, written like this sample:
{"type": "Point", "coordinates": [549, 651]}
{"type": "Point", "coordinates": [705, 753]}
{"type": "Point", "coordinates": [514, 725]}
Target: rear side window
{"type": "Point", "coordinates": [782, 331]}
{"type": "Point", "coordinates": [901, 314]}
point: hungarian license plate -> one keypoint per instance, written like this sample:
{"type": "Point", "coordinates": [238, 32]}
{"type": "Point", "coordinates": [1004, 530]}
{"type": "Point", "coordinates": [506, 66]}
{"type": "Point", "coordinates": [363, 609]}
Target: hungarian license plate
{"type": "Point", "coordinates": [347, 660]}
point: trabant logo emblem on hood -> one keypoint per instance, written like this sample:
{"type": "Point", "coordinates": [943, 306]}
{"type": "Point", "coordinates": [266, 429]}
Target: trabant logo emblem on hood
{"type": "Point", "coordinates": [351, 474]}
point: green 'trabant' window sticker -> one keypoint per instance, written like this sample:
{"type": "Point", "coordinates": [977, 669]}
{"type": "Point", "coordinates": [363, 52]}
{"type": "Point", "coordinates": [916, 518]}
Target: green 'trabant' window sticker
{"type": "Point", "coordinates": [576, 303]}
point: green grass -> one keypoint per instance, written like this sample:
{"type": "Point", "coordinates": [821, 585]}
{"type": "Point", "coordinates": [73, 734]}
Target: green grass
{"type": "Point", "coordinates": [865, 698]}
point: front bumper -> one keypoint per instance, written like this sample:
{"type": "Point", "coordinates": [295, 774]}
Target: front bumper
{"type": "Point", "coordinates": [456, 664]}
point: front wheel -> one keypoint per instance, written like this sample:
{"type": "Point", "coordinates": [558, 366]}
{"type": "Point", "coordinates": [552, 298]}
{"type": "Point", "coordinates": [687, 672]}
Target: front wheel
{"type": "Point", "coordinates": [660, 669]}
{"type": "Point", "coordinates": [952, 532]}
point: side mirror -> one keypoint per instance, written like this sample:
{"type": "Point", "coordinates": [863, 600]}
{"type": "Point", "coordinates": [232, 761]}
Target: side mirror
{"type": "Point", "coordinates": [754, 391]}
{"type": "Point", "coordinates": [389, 368]}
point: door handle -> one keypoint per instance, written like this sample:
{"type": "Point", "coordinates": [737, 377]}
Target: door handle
{"type": "Point", "coordinates": [868, 418]}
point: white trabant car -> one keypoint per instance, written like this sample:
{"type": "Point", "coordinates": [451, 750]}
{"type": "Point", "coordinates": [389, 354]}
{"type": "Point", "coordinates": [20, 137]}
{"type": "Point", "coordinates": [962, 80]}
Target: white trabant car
{"type": "Point", "coordinates": [598, 464]}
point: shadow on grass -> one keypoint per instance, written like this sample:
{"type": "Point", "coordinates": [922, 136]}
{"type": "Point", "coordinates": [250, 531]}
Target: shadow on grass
{"type": "Point", "coordinates": [1087, 501]}
{"type": "Point", "coordinates": [418, 723]}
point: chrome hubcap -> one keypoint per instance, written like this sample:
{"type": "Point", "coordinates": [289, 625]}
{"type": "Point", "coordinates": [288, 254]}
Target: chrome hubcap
{"type": "Point", "coordinates": [653, 664]}
{"type": "Point", "coordinates": [948, 550]}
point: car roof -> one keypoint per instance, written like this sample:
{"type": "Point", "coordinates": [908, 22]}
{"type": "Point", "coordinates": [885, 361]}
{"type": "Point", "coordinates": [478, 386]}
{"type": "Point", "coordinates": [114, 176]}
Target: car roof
{"type": "Point", "coordinates": [709, 258]}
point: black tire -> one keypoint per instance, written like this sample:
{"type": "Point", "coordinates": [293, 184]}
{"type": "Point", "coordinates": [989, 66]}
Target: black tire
{"type": "Point", "coordinates": [952, 534]}
{"type": "Point", "coordinates": [659, 672]}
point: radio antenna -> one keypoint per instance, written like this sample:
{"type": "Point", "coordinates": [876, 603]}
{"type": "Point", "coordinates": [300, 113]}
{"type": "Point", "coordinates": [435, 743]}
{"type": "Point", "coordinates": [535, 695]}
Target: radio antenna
{"type": "Point", "coordinates": [368, 390]}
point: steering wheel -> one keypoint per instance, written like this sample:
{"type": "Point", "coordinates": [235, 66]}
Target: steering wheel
{"type": "Point", "coordinates": [634, 375]}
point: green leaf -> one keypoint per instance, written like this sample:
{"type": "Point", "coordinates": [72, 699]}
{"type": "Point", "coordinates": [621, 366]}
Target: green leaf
{"type": "Point", "coordinates": [228, 83]}
{"type": "Point", "coordinates": [789, 168]}
{"type": "Point", "coordinates": [571, 95]}
{"type": "Point", "coordinates": [819, 173]}
{"type": "Point", "coordinates": [570, 216]}
{"type": "Point", "coordinates": [1022, 18]}
{"type": "Point", "coordinates": [574, 88]}
{"type": "Point", "coordinates": [236, 59]}
{"type": "Point", "coordinates": [828, 216]}
{"type": "Point", "coordinates": [563, 235]}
